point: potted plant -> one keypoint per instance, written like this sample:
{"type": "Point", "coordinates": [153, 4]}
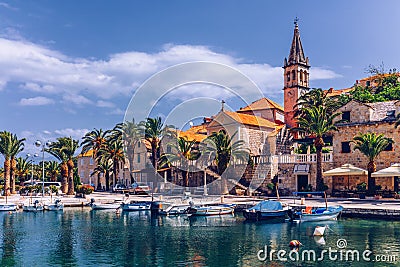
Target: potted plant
{"type": "Point", "coordinates": [362, 188]}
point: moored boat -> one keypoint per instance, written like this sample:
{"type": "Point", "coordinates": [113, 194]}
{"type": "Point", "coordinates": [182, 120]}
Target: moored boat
{"type": "Point", "coordinates": [8, 207]}
{"type": "Point", "coordinates": [55, 206]}
{"type": "Point", "coordinates": [35, 206]}
{"type": "Point", "coordinates": [310, 214]}
{"type": "Point", "coordinates": [210, 210]}
{"type": "Point", "coordinates": [105, 206]}
{"type": "Point", "coordinates": [136, 206]}
{"type": "Point", "coordinates": [175, 209]}
{"type": "Point", "coordinates": [266, 210]}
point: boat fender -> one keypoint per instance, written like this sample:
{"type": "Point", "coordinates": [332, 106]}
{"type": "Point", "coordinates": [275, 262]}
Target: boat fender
{"type": "Point", "coordinates": [295, 244]}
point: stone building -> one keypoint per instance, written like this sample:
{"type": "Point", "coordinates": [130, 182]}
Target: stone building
{"type": "Point", "coordinates": [359, 118]}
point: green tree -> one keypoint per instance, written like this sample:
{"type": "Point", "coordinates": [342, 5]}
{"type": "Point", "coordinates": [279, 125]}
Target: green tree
{"type": "Point", "coordinates": [113, 151]}
{"type": "Point", "coordinates": [23, 169]}
{"type": "Point", "coordinates": [221, 147]}
{"type": "Point", "coordinates": [371, 145]}
{"type": "Point", "coordinates": [94, 140]}
{"type": "Point", "coordinates": [10, 146]}
{"type": "Point", "coordinates": [153, 134]}
{"type": "Point", "coordinates": [53, 169]}
{"type": "Point", "coordinates": [104, 166]}
{"type": "Point", "coordinates": [317, 121]}
{"type": "Point", "coordinates": [56, 149]}
{"type": "Point", "coordinates": [182, 152]}
{"type": "Point", "coordinates": [17, 147]}
{"type": "Point", "coordinates": [131, 135]}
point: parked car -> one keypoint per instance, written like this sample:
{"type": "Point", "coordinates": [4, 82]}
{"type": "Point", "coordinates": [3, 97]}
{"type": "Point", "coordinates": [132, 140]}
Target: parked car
{"type": "Point", "coordinates": [119, 188]}
{"type": "Point", "coordinates": [139, 188]}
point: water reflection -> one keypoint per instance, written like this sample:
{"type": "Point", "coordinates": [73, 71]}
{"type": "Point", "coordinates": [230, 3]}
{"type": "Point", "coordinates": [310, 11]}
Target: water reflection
{"type": "Point", "coordinates": [80, 237]}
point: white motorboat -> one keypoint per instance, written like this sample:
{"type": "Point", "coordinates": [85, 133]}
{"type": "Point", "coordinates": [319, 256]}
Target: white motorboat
{"type": "Point", "coordinates": [135, 206]}
{"type": "Point", "coordinates": [55, 206]}
{"type": "Point", "coordinates": [35, 206]}
{"type": "Point", "coordinates": [211, 210]}
{"type": "Point", "coordinates": [318, 214]}
{"type": "Point", "coordinates": [8, 207]}
{"type": "Point", "coordinates": [105, 206]}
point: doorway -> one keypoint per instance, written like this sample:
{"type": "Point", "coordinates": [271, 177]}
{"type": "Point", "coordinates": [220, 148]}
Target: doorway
{"type": "Point", "coordinates": [302, 182]}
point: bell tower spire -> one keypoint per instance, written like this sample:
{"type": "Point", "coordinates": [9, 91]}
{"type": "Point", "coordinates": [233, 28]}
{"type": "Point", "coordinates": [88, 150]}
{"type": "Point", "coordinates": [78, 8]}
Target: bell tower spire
{"type": "Point", "coordinates": [296, 76]}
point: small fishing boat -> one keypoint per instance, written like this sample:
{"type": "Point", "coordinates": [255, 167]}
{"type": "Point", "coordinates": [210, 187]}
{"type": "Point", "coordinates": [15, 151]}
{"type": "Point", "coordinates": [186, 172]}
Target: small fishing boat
{"type": "Point", "coordinates": [266, 210]}
{"type": "Point", "coordinates": [35, 206]}
{"type": "Point", "coordinates": [55, 206]}
{"type": "Point", "coordinates": [210, 210]}
{"type": "Point", "coordinates": [8, 207]}
{"type": "Point", "coordinates": [175, 209]}
{"type": "Point", "coordinates": [310, 214]}
{"type": "Point", "coordinates": [135, 206]}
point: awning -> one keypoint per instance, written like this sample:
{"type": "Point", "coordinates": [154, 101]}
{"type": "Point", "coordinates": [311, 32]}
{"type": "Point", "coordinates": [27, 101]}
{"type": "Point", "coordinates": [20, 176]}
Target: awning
{"type": "Point", "coordinates": [393, 170]}
{"type": "Point", "coordinates": [346, 169]}
{"type": "Point", "coordinates": [301, 169]}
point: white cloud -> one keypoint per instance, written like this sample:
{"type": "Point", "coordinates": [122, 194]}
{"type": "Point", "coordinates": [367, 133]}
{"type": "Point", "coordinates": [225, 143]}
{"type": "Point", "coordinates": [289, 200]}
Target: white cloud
{"type": "Point", "coordinates": [36, 101]}
{"type": "Point", "coordinates": [51, 136]}
{"type": "Point", "coordinates": [317, 73]}
{"type": "Point", "coordinates": [76, 99]}
{"type": "Point", "coordinates": [104, 104]}
{"type": "Point", "coordinates": [116, 111]}
{"type": "Point", "coordinates": [74, 133]}
{"type": "Point", "coordinates": [40, 69]}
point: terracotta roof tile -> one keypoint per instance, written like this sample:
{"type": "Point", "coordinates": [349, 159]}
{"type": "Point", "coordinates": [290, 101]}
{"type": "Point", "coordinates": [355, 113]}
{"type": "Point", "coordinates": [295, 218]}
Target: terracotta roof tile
{"type": "Point", "coordinates": [263, 103]}
{"type": "Point", "coordinates": [250, 120]}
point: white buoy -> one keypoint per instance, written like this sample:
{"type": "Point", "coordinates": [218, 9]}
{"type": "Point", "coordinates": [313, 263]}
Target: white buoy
{"type": "Point", "coordinates": [319, 231]}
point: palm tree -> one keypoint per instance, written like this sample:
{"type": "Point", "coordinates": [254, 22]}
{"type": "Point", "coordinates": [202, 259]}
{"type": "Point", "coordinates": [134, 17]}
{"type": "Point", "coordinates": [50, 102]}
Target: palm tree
{"type": "Point", "coordinates": [153, 133]}
{"type": "Point", "coordinates": [223, 149]}
{"type": "Point", "coordinates": [318, 98]}
{"type": "Point", "coordinates": [94, 140]}
{"type": "Point", "coordinates": [131, 135]}
{"type": "Point", "coordinates": [371, 145]}
{"type": "Point", "coordinates": [185, 151]}
{"type": "Point", "coordinates": [17, 146]}
{"type": "Point", "coordinates": [104, 166]}
{"type": "Point", "coordinates": [56, 150]}
{"type": "Point", "coordinates": [69, 146]}
{"type": "Point", "coordinates": [23, 169]}
{"type": "Point", "coordinates": [114, 151]}
{"type": "Point", "coordinates": [316, 121]}
{"type": "Point", "coordinates": [10, 146]}
{"type": "Point", "coordinates": [53, 169]}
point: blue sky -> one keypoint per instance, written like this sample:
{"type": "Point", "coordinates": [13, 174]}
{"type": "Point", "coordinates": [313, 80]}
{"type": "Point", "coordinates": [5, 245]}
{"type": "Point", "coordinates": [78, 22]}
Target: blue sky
{"type": "Point", "coordinates": [69, 66]}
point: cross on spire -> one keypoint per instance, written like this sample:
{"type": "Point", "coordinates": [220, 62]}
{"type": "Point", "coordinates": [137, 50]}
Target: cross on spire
{"type": "Point", "coordinates": [222, 105]}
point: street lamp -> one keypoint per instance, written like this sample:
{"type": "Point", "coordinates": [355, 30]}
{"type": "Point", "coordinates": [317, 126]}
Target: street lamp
{"type": "Point", "coordinates": [44, 145]}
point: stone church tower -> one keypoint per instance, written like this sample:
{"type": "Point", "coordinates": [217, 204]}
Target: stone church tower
{"type": "Point", "coordinates": [296, 76]}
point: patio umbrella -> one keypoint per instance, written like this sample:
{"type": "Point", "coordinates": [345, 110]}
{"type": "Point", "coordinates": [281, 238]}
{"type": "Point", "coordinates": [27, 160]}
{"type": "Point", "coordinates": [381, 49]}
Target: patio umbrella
{"type": "Point", "coordinates": [393, 170]}
{"type": "Point", "coordinates": [346, 170]}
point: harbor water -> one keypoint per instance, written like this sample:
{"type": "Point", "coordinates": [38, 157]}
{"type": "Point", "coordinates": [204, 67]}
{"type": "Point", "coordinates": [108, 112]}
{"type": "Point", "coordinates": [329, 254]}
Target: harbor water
{"type": "Point", "coordinates": [81, 237]}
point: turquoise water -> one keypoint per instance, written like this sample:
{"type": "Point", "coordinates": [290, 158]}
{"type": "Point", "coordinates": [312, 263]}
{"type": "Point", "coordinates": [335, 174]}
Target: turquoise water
{"type": "Point", "coordinates": [80, 237]}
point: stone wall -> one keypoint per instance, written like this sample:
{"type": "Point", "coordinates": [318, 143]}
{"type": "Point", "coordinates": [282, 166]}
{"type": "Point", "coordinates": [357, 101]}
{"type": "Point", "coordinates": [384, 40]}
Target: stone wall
{"type": "Point", "coordinates": [346, 134]}
{"type": "Point", "coordinates": [358, 112]}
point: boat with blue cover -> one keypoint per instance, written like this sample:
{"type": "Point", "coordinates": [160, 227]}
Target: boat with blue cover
{"type": "Point", "coordinates": [266, 210]}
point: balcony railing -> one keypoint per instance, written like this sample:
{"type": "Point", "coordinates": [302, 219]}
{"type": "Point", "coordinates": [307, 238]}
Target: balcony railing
{"type": "Point", "coordinates": [292, 158]}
